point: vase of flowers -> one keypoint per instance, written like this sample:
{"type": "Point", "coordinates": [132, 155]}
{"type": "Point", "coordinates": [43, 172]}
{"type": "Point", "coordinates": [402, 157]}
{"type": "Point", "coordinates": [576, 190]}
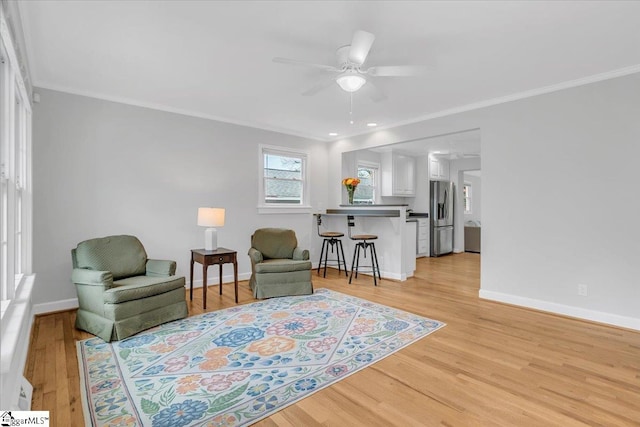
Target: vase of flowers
{"type": "Point", "coordinates": [350, 184]}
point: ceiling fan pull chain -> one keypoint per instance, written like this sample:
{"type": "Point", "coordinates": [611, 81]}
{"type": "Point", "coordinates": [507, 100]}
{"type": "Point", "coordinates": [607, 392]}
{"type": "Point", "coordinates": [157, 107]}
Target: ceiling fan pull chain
{"type": "Point", "coordinates": [351, 108]}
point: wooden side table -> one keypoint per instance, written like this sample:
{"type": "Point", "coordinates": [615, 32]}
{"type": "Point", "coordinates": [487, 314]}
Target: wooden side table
{"type": "Point", "coordinates": [206, 258]}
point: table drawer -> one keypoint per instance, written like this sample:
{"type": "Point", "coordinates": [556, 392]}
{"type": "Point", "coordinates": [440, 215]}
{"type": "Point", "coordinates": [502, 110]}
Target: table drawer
{"type": "Point", "coordinates": [220, 259]}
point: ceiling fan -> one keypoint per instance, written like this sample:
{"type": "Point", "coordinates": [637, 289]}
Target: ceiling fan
{"type": "Point", "coordinates": [348, 73]}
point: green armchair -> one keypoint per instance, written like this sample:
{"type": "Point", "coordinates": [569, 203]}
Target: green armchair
{"type": "Point", "coordinates": [278, 266]}
{"type": "Point", "coordinates": [120, 291]}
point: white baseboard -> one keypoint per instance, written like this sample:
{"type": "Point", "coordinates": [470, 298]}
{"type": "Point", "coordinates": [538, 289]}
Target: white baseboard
{"type": "Point", "coordinates": [72, 303]}
{"type": "Point", "coordinates": [213, 280]}
{"type": "Point", "coordinates": [567, 310]}
{"type": "Point", "coordinates": [50, 307]}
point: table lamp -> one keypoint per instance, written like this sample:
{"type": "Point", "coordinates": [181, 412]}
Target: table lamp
{"type": "Point", "coordinates": [211, 217]}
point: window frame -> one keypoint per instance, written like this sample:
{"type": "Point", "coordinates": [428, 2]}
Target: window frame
{"type": "Point", "coordinates": [15, 170]}
{"type": "Point", "coordinates": [273, 208]}
{"type": "Point", "coordinates": [363, 164]}
{"type": "Point", "coordinates": [467, 195]}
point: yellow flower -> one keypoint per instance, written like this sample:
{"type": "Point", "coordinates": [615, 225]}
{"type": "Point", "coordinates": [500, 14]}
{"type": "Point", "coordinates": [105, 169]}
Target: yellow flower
{"type": "Point", "coordinates": [351, 183]}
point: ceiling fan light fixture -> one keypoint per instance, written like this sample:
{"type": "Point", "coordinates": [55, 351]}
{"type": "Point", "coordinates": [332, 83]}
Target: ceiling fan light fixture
{"type": "Point", "coordinates": [350, 81]}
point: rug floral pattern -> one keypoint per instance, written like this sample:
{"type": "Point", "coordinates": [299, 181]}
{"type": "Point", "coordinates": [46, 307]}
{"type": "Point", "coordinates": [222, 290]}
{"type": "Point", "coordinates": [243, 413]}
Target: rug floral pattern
{"type": "Point", "coordinates": [238, 365]}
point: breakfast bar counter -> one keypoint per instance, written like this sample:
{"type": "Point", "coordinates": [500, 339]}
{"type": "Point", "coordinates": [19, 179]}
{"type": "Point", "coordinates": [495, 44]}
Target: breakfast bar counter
{"type": "Point", "coordinates": [396, 237]}
{"type": "Point", "coordinates": [357, 211]}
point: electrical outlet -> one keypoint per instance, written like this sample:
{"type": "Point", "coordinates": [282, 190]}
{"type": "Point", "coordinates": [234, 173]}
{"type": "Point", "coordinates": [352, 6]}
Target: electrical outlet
{"type": "Point", "coordinates": [582, 290]}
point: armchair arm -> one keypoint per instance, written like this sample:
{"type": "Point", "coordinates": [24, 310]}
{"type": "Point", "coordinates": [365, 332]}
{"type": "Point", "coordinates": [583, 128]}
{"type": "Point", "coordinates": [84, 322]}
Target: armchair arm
{"type": "Point", "coordinates": [160, 267]}
{"type": "Point", "coordinates": [300, 254]}
{"type": "Point", "coordinates": [82, 276]}
{"type": "Point", "coordinates": [255, 255]}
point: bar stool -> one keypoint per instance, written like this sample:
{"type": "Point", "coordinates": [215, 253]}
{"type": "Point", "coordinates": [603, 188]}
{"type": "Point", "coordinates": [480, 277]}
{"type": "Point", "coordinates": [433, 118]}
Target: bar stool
{"type": "Point", "coordinates": [331, 238]}
{"type": "Point", "coordinates": [364, 243]}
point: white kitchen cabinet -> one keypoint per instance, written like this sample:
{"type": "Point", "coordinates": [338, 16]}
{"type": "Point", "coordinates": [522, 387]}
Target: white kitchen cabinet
{"type": "Point", "coordinates": [423, 237]}
{"type": "Point", "coordinates": [438, 169]}
{"type": "Point", "coordinates": [408, 257]}
{"type": "Point", "coordinates": [398, 175]}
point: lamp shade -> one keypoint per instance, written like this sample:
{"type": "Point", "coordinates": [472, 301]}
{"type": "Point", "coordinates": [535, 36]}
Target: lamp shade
{"type": "Point", "coordinates": [350, 81]}
{"type": "Point", "coordinates": [211, 217]}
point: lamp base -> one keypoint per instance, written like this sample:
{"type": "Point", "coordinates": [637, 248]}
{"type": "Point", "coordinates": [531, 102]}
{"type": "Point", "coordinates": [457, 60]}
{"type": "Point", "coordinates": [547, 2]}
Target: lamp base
{"type": "Point", "coordinates": [210, 239]}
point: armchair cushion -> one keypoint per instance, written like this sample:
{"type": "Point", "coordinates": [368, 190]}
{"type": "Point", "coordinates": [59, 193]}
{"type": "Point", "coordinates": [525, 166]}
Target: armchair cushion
{"type": "Point", "coordinates": [282, 266]}
{"type": "Point", "coordinates": [139, 287]}
{"type": "Point", "coordinates": [274, 242]}
{"type": "Point", "coordinates": [123, 256]}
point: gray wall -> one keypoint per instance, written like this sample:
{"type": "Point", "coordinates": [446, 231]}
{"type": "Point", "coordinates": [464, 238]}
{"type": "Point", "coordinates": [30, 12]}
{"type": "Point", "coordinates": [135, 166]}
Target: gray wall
{"type": "Point", "coordinates": [104, 168]}
{"type": "Point", "coordinates": [551, 164]}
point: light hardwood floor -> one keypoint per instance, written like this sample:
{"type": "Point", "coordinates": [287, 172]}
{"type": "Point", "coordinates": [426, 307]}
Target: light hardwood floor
{"type": "Point", "coordinates": [492, 365]}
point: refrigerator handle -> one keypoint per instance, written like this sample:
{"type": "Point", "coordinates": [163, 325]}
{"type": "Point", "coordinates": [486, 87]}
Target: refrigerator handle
{"type": "Point", "coordinates": [445, 209]}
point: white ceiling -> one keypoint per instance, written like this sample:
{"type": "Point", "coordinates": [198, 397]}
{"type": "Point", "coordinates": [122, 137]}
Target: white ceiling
{"type": "Point", "coordinates": [214, 59]}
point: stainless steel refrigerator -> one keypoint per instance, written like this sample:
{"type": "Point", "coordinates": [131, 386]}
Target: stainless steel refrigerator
{"type": "Point", "coordinates": [441, 204]}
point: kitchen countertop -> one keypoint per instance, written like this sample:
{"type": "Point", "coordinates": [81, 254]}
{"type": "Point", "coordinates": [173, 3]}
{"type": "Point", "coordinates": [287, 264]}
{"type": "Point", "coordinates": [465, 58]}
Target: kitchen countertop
{"type": "Point", "coordinates": [373, 206]}
{"type": "Point", "coordinates": [364, 212]}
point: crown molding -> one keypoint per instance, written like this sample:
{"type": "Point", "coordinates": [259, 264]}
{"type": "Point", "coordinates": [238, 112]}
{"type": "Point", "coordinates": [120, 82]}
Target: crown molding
{"type": "Point", "coordinates": [167, 109]}
{"type": "Point", "coordinates": [621, 72]}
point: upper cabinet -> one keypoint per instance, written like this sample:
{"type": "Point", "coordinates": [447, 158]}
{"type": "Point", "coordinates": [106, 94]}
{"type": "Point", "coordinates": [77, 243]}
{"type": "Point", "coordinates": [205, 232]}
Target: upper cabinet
{"type": "Point", "coordinates": [398, 175]}
{"type": "Point", "coordinates": [438, 169]}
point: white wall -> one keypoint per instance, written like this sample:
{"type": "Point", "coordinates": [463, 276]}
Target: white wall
{"type": "Point", "coordinates": [104, 168]}
{"type": "Point", "coordinates": [550, 165]}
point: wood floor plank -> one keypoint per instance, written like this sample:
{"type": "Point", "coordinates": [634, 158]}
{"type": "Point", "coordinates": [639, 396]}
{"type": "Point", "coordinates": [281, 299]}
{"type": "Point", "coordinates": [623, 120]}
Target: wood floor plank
{"type": "Point", "coordinates": [492, 365]}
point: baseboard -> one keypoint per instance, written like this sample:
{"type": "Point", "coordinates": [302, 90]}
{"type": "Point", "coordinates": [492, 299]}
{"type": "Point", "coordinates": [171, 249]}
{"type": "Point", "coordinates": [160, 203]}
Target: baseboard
{"type": "Point", "coordinates": [53, 306]}
{"type": "Point", "coordinates": [213, 280]}
{"type": "Point", "coordinates": [566, 310]}
{"type": "Point", "coordinates": [72, 303]}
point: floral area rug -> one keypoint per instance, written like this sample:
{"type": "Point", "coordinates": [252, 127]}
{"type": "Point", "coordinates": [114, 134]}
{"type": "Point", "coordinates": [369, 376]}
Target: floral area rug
{"type": "Point", "coordinates": [238, 365]}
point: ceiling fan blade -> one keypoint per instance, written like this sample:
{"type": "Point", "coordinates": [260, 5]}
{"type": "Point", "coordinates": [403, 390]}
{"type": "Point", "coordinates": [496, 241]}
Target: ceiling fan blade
{"type": "Point", "coordinates": [360, 46]}
{"type": "Point", "coordinates": [396, 70]}
{"type": "Point", "coordinates": [305, 64]}
{"type": "Point", "coordinates": [374, 92]}
{"type": "Point", "coordinates": [319, 86]}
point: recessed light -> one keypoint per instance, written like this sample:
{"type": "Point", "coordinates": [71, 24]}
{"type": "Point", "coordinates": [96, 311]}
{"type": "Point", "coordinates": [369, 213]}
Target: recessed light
{"type": "Point", "coordinates": [372, 125]}
{"type": "Point", "coordinates": [333, 134]}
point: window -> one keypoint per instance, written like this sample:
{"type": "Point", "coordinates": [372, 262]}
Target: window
{"type": "Point", "coordinates": [466, 191]}
{"type": "Point", "coordinates": [284, 178]}
{"type": "Point", "coordinates": [15, 176]}
{"type": "Point", "coordinates": [366, 191]}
